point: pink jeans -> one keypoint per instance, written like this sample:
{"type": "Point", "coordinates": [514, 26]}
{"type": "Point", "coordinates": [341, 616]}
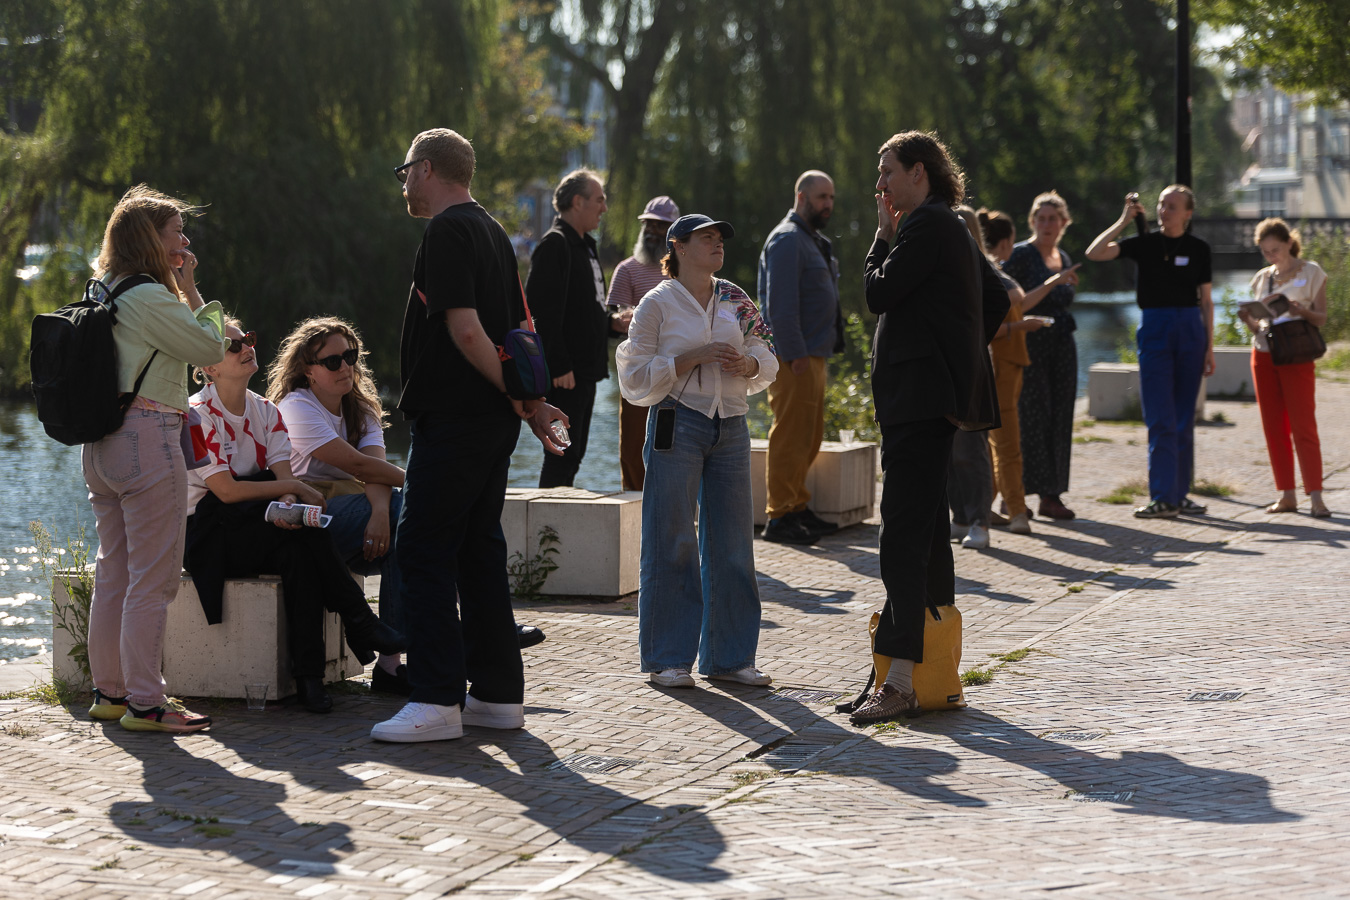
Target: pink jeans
{"type": "Point", "coordinates": [138, 487]}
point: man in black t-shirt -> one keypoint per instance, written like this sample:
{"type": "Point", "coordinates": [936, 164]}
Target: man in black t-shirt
{"type": "Point", "coordinates": [465, 296]}
{"type": "Point", "coordinates": [1175, 340]}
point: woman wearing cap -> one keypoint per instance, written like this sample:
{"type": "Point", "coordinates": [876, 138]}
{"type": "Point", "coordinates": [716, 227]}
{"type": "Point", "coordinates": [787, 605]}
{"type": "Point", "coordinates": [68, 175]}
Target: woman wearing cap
{"type": "Point", "coordinates": [696, 348]}
{"type": "Point", "coordinates": [633, 278]}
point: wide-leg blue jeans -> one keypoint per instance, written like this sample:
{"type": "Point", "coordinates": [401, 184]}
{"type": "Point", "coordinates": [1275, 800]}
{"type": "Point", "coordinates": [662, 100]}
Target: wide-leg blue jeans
{"type": "Point", "coordinates": [698, 596]}
{"type": "Point", "coordinates": [1171, 343]}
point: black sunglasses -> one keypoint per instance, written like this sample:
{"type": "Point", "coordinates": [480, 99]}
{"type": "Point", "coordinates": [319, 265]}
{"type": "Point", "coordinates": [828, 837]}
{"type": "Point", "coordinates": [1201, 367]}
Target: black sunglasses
{"type": "Point", "coordinates": [248, 340]}
{"type": "Point", "coordinates": [334, 362]}
{"type": "Point", "coordinates": [401, 172]}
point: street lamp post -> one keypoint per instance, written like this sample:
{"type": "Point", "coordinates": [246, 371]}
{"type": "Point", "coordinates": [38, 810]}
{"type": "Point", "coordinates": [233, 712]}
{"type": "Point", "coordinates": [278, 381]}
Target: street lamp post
{"type": "Point", "coordinates": [1184, 93]}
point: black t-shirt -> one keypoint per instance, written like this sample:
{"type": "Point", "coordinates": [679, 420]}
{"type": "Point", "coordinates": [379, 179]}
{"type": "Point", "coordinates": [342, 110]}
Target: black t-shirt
{"type": "Point", "coordinates": [465, 262]}
{"type": "Point", "coordinates": [1171, 270]}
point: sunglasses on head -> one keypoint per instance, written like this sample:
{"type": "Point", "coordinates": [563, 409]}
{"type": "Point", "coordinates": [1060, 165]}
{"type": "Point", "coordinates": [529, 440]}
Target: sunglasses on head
{"type": "Point", "coordinates": [334, 362]}
{"type": "Point", "coordinates": [248, 340]}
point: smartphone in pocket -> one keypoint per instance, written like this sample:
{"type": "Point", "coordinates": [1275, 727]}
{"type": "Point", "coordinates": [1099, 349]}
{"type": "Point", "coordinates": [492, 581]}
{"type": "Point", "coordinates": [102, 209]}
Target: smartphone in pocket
{"type": "Point", "coordinates": [664, 436]}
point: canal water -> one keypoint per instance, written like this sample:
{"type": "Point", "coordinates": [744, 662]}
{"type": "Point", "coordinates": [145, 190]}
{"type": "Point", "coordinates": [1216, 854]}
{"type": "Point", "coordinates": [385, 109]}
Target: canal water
{"type": "Point", "coordinates": [42, 480]}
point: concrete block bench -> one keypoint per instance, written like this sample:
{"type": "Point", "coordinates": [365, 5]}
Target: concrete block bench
{"type": "Point", "coordinates": [1113, 392]}
{"type": "Point", "coordinates": [599, 537]}
{"type": "Point", "coordinates": [842, 481]}
{"type": "Point", "coordinates": [1232, 378]}
{"type": "Point", "coordinates": [248, 647]}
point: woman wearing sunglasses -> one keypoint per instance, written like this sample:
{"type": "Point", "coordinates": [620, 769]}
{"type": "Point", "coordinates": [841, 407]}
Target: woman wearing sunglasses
{"type": "Point", "coordinates": [137, 476]}
{"type": "Point", "coordinates": [328, 399]}
{"type": "Point", "coordinates": [248, 465]}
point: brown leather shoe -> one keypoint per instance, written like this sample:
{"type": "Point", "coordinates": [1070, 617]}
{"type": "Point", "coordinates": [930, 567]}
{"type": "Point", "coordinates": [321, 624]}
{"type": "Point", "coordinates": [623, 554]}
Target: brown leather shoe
{"type": "Point", "coordinates": [885, 704]}
{"type": "Point", "coordinates": [1053, 509]}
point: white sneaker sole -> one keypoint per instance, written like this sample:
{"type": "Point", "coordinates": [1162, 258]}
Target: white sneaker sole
{"type": "Point", "coordinates": [401, 736]}
{"type": "Point", "coordinates": [764, 682]}
{"type": "Point", "coordinates": [680, 681]}
{"type": "Point", "coordinates": [503, 721]}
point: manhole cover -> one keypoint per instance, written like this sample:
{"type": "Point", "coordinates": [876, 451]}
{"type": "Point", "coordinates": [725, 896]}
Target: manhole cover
{"type": "Point", "coordinates": [591, 764]}
{"type": "Point", "coordinates": [1102, 796]}
{"type": "Point", "coordinates": [1073, 737]}
{"type": "Point", "coordinates": [1216, 696]}
{"type": "Point", "coordinates": [809, 696]}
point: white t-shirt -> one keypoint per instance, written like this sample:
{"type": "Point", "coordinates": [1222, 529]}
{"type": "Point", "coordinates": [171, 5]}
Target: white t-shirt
{"type": "Point", "coordinates": [242, 445]}
{"type": "Point", "coordinates": [311, 426]}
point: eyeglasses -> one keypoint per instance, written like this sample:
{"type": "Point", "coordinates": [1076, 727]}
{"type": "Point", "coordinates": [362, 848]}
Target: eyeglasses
{"type": "Point", "coordinates": [334, 362]}
{"type": "Point", "coordinates": [401, 172]}
{"type": "Point", "coordinates": [248, 340]}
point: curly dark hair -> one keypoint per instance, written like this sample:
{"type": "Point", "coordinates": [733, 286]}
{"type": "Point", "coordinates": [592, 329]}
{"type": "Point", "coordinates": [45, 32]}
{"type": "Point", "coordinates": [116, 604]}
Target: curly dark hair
{"type": "Point", "coordinates": [945, 178]}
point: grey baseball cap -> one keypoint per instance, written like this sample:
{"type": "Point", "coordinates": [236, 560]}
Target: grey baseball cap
{"type": "Point", "coordinates": [660, 209]}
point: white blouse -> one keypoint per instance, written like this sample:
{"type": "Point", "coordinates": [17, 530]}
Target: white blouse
{"type": "Point", "coordinates": [1303, 287]}
{"type": "Point", "coordinates": [669, 322]}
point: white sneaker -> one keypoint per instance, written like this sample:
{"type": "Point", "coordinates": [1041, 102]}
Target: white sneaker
{"type": "Point", "coordinates": [672, 678]}
{"type": "Point", "coordinates": [1020, 524]}
{"type": "Point", "coordinates": [420, 722]}
{"type": "Point", "coordinates": [482, 714]}
{"type": "Point", "coordinates": [958, 531]}
{"type": "Point", "coordinates": [976, 539]}
{"type": "Point", "coordinates": [748, 675]}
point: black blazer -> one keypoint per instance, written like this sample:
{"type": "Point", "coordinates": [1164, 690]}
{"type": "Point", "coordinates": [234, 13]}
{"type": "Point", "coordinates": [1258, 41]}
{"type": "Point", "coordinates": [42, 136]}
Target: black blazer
{"type": "Point", "coordinates": [939, 303]}
{"type": "Point", "coordinates": [572, 325]}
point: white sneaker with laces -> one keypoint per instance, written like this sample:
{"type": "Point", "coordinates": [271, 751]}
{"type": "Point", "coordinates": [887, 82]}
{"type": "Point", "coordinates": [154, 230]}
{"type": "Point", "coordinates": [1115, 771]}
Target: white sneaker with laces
{"type": "Point", "coordinates": [1020, 524]}
{"type": "Point", "coordinates": [748, 675]}
{"type": "Point", "coordinates": [420, 722]}
{"type": "Point", "coordinates": [976, 539]}
{"type": "Point", "coordinates": [482, 714]}
{"type": "Point", "coordinates": [674, 677]}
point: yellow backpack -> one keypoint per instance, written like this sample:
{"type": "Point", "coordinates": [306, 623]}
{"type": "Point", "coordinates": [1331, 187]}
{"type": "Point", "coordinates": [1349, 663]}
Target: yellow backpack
{"type": "Point", "coordinates": [937, 680]}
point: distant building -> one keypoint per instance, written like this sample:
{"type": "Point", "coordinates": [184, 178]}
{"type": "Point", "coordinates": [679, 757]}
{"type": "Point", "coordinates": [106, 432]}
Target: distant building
{"type": "Point", "coordinates": [1301, 152]}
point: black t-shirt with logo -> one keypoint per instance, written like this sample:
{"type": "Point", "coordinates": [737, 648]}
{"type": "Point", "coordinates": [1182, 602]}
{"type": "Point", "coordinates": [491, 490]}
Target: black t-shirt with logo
{"type": "Point", "coordinates": [1171, 270]}
{"type": "Point", "coordinates": [465, 261]}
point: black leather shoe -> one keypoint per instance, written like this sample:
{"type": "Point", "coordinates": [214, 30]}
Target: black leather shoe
{"type": "Point", "coordinates": [312, 695]}
{"type": "Point", "coordinates": [789, 530]}
{"type": "Point", "coordinates": [815, 524]}
{"type": "Point", "coordinates": [528, 636]}
{"type": "Point", "coordinates": [367, 636]}
{"type": "Point", "coordinates": [397, 683]}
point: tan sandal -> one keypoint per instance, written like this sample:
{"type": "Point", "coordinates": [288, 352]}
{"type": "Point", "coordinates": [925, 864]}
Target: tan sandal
{"type": "Point", "coordinates": [1279, 506]}
{"type": "Point", "coordinates": [1320, 512]}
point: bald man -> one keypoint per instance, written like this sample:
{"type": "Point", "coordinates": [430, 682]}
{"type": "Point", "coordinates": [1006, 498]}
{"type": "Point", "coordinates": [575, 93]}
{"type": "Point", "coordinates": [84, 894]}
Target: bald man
{"type": "Point", "coordinates": [799, 296]}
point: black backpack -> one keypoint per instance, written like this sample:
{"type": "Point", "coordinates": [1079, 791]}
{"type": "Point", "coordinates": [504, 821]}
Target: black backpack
{"type": "Point", "coordinates": [73, 362]}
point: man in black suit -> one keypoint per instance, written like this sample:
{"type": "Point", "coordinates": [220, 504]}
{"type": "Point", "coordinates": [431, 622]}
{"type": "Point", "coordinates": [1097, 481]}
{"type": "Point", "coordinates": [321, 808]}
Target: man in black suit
{"type": "Point", "coordinates": [938, 303]}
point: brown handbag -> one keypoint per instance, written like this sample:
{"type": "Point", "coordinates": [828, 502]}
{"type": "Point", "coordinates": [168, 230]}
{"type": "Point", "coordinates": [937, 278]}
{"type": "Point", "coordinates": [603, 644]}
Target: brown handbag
{"type": "Point", "coordinates": [1294, 342]}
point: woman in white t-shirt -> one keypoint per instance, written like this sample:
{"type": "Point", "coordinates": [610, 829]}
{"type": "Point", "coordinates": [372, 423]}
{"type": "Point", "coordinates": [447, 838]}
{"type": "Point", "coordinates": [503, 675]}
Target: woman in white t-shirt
{"type": "Point", "coordinates": [324, 389]}
{"type": "Point", "coordinates": [248, 465]}
{"type": "Point", "coordinates": [1286, 395]}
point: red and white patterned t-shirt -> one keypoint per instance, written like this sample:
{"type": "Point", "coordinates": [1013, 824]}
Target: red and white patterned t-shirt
{"type": "Point", "coordinates": [242, 445]}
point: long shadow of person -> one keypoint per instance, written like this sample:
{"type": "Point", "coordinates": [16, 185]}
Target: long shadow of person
{"type": "Point", "coordinates": [1143, 783]}
{"type": "Point", "coordinates": [557, 793]}
{"type": "Point", "coordinates": [197, 803]}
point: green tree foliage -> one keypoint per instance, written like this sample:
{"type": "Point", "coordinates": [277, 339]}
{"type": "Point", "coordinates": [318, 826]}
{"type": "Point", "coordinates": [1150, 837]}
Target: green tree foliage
{"type": "Point", "coordinates": [283, 119]}
{"type": "Point", "coordinates": [1301, 47]}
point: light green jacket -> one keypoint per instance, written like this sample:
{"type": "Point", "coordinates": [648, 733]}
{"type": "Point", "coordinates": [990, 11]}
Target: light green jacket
{"type": "Point", "coordinates": [151, 317]}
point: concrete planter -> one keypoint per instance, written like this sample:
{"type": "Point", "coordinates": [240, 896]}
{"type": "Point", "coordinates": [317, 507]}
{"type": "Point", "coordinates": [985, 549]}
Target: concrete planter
{"type": "Point", "coordinates": [599, 537]}
{"type": "Point", "coordinates": [1113, 392]}
{"type": "Point", "coordinates": [1232, 378]}
{"type": "Point", "coordinates": [842, 481]}
{"type": "Point", "coordinates": [248, 647]}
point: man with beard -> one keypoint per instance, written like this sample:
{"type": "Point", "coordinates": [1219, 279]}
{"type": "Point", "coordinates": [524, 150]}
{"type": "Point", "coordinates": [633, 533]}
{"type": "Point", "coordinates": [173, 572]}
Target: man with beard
{"type": "Point", "coordinates": [799, 296]}
{"type": "Point", "coordinates": [633, 278]}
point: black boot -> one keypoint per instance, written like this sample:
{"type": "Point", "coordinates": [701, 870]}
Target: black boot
{"type": "Point", "coordinates": [367, 636]}
{"type": "Point", "coordinates": [312, 695]}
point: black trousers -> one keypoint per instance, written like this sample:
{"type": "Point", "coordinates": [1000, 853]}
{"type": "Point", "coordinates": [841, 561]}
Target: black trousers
{"type": "Point", "coordinates": [450, 542]}
{"type": "Point", "coordinates": [916, 556]}
{"type": "Point", "coordinates": [313, 577]}
{"type": "Point", "coordinates": [578, 402]}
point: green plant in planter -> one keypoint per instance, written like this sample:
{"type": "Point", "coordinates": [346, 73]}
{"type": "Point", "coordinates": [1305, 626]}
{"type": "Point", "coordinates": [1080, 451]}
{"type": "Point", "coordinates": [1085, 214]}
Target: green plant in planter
{"type": "Point", "coordinates": [78, 579]}
{"type": "Point", "coordinates": [528, 575]}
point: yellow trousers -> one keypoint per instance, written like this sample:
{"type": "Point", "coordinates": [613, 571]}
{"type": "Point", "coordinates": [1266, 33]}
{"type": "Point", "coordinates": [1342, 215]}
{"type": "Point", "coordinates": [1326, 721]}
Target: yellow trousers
{"type": "Point", "coordinates": [1005, 443]}
{"type": "Point", "coordinates": [798, 404]}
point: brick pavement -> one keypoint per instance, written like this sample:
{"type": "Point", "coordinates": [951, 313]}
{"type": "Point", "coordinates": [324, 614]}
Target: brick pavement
{"type": "Point", "coordinates": [1080, 769]}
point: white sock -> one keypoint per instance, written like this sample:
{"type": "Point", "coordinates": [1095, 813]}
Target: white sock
{"type": "Point", "coordinates": [390, 662]}
{"type": "Point", "coordinates": [901, 675]}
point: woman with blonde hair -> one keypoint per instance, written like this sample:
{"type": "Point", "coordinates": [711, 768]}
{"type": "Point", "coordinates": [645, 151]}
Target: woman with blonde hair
{"type": "Point", "coordinates": [1286, 394]}
{"type": "Point", "coordinates": [1050, 382]}
{"type": "Point", "coordinates": [137, 475]}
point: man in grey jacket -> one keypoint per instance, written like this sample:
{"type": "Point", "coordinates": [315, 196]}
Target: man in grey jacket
{"type": "Point", "coordinates": [799, 293]}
